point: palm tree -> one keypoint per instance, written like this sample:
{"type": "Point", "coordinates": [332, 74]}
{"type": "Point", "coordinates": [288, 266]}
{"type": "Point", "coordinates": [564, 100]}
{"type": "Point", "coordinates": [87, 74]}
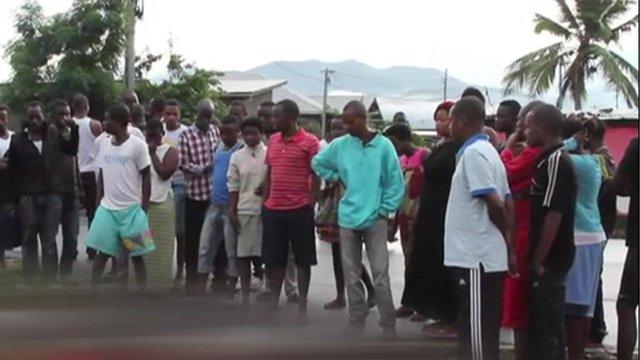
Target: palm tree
{"type": "Point", "coordinates": [586, 33]}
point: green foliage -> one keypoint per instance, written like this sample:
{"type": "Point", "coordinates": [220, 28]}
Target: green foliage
{"type": "Point", "coordinates": [75, 51]}
{"type": "Point", "coordinates": [586, 33]}
{"type": "Point", "coordinates": [186, 83]}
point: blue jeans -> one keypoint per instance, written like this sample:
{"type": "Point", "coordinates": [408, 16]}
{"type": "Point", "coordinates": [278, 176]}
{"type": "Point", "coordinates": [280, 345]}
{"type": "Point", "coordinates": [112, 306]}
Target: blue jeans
{"type": "Point", "coordinates": [217, 228]}
{"type": "Point", "coordinates": [40, 216]}
{"type": "Point", "coordinates": [179, 199]}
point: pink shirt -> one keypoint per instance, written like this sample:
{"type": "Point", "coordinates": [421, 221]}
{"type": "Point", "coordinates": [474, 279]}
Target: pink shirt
{"type": "Point", "coordinates": [415, 160]}
{"type": "Point", "coordinates": [290, 166]}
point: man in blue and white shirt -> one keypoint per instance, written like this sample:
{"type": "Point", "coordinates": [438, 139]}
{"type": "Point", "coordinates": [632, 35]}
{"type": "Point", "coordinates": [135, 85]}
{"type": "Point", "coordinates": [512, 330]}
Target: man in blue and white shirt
{"type": "Point", "coordinates": [478, 225]}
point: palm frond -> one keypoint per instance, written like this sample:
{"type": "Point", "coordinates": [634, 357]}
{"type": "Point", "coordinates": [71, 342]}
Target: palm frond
{"type": "Point", "coordinates": [534, 71]}
{"type": "Point", "coordinates": [568, 16]}
{"type": "Point", "coordinates": [543, 23]}
{"type": "Point", "coordinates": [616, 70]}
{"type": "Point", "coordinates": [624, 27]}
{"type": "Point", "coordinates": [589, 13]}
{"type": "Point", "coordinates": [615, 10]}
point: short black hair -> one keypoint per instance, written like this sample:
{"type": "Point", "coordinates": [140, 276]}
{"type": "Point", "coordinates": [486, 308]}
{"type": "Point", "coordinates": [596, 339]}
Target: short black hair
{"type": "Point", "coordinates": [267, 103]}
{"type": "Point", "coordinates": [513, 105]}
{"type": "Point", "coordinates": [551, 117]}
{"type": "Point", "coordinates": [238, 103]}
{"type": "Point", "coordinates": [119, 113]}
{"type": "Point", "coordinates": [472, 91]}
{"type": "Point", "coordinates": [137, 110]}
{"type": "Point", "coordinates": [34, 103]}
{"type": "Point", "coordinates": [230, 120]}
{"type": "Point", "coordinates": [528, 108]}
{"type": "Point", "coordinates": [57, 103]}
{"type": "Point", "coordinates": [400, 131]}
{"type": "Point", "coordinates": [599, 129]}
{"type": "Point", "coordinates": [155, 125]}
{"type": "Point", "coordinates": [289, 108]}
{"type": "Point", "coordinates": [571, 126]}
{"type": "Point", "coordinates": [356, 105]}
{"type": "Point", "coordinates": [4, 107]}
{"type": "Point", "coordinates": [172, 102]}
{"type": "Point", "coordinates": [157, 105]}
{"type": "Point", "coordinates": [252, 122]}
{"type": "Point", "coordinates": [471, 108]}
{"type": "Point", "coordinates": [79, 100]}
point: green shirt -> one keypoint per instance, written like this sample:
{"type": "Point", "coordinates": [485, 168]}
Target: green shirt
{"type": "Point", "coordinates": [371, 174]}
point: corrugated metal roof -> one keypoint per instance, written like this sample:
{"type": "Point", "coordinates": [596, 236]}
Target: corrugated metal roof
{"type": "Point", "coordinates": [246, 87]}
{"type": "Point", "coordinates": [307, 105]}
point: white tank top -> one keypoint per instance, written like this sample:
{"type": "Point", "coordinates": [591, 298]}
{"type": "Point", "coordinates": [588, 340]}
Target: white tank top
{"type": "Point", "coordinates": [86, 146]}
{"type": "Point", "coordinates": [160, 189]}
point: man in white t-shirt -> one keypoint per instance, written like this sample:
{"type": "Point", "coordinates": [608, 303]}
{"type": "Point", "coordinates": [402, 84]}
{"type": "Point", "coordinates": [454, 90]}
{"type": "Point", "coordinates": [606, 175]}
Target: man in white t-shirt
{"type": "Point", "coordinates": [124, 189]}
{"type": "Point", "coordinates": [173, 130]}
{"type": "Point", "coordinates": [478, 225]}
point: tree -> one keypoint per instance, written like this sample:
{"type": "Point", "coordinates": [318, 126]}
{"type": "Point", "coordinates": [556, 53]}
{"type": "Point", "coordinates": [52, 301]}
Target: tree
{"type": "Point", "coordinates": [75, 51]}
{"type": "Point", "coordinates": [586, 33]}
{"type": "Point", "coordinates": [185, 82]}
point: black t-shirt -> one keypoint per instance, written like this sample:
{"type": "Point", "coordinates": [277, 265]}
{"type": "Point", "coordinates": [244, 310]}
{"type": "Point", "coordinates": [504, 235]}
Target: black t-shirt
{"type": "Point", "coordinates": [629, 167]}
{"type": "Point", "coordinates": [554, 188]}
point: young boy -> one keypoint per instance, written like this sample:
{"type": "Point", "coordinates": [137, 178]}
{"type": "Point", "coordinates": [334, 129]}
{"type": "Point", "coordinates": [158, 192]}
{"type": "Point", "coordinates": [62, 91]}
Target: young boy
{"type": "Point", "coordinates": [121, 223]}
{"type": "Point", "coordinates": [247, 171]}
{"type": "Point", "coordinates": [411, 158]}
{"type": "Point", "coordinates": [217, 227]}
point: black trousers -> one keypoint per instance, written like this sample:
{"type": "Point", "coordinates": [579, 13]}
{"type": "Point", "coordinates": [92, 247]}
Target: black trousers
{"type": "Point", "coordinates": [195, 212]}
{"type": "Point", "coordinates": [89, 186]}
{"type": "Point", "coordinates": [479, 313]}
{"type": "Point", "coordinates": [546, 316]}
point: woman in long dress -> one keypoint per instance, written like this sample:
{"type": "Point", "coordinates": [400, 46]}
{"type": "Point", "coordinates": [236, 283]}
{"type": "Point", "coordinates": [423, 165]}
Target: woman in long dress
{"type": "Point", "coordinates": [429, 285]}
{"type": "Point", "coordinates": [164, 163]}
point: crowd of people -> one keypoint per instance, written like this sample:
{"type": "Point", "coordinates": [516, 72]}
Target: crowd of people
{"type": "Point", "coordinates": [493, 233]}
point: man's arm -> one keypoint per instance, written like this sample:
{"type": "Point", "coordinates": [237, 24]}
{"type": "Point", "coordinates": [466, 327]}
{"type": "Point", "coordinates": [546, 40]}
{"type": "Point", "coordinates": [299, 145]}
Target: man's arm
{"type": "Point", "coordinates": [547, 237]}
{"type": "Point", "coordinates": [324, 164]}
{"type": "Point", "coordinates": [501, 214]}
{"type": "Point", "coordinates": [69, 145]}
{"type": "Point", "coordinates": [96, 127]}
{"type": "Point", "coordinates": [185, 165]}
{"type": "Point", "coordinates": [166, 167]}
{"type": "Point", "coordinates": [621, 183]}
{"type": "Point", "coordinates": [264, 188]}
{"type": "Point", "coordinates": [146, 188]}
{"type": "Point", "coordinates": [99, 189]}
{"type": "Point", "coordinates": [393, 187]}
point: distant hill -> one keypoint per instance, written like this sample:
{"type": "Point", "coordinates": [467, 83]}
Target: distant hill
{"type": "Point", "coordinates": [306, 78]}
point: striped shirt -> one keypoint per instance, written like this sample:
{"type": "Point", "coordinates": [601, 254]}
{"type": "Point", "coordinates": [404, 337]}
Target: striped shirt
{"type": "Point", "coordinates": [290, 167]}
{"type": "Point", "coordinates": [196, 152]}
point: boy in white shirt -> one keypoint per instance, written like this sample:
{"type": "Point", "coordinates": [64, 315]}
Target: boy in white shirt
{"type": "Point", "coordinates": [124, 189]}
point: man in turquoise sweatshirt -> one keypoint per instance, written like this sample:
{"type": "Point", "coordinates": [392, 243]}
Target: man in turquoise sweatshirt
{"type": "Point", "coordinates": [365, 162]}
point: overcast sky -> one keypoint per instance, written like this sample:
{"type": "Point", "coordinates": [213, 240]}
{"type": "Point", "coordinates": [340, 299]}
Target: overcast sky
{"type": "Point", "coordinates": [474, 39]}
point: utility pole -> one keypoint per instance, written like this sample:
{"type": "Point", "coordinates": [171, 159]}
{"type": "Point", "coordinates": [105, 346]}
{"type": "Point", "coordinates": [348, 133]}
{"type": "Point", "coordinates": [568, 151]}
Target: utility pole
{"type": "Point", "coordinates": [446, 79]}
{"type": "Point", "coordinates": [134, 10]}
{"type": "Point", "coordinates": [325, 92]}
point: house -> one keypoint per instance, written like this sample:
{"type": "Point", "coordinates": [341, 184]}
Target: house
{"type": "Point", "coordinates": [251, 89]}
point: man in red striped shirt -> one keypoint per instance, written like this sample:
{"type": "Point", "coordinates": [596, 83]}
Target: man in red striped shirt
{"type": "Point", "coordinates": [291, 189]}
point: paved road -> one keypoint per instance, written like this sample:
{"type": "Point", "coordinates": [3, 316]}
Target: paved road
{"type": "Point", "coordinates": [167, 327]}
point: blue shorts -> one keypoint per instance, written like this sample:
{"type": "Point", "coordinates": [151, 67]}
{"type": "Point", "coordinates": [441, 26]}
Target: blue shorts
{"type": "Point", "coordinates": [113, 230]}
{"type": "Point", "coordinates": [582, 280]}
